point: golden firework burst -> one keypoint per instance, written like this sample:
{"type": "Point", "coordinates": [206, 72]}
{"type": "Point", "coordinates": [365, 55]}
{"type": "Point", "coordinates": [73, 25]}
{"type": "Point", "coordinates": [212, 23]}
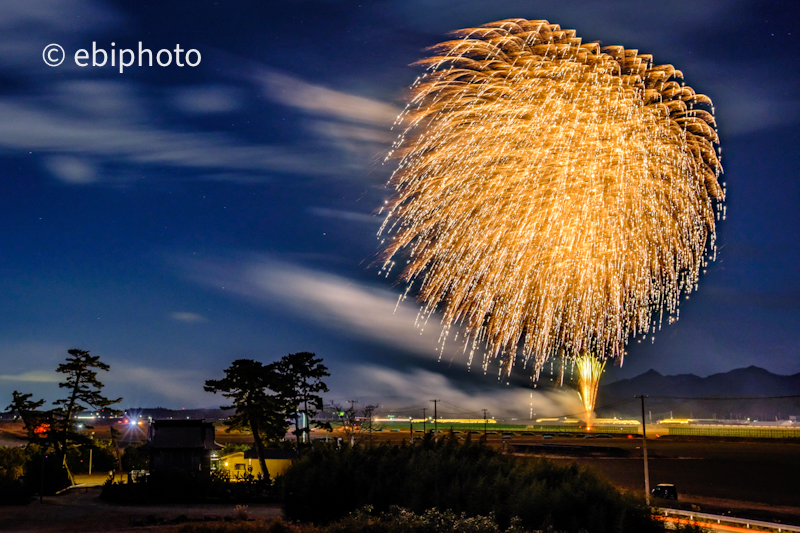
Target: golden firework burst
{"type": "Point", "coordinates": [554, 197]}
{"type": "Point", "coordinates": [590, 370]}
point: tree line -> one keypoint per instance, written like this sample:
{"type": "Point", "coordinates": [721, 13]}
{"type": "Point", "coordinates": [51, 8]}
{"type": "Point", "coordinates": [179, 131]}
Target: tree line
{"type": "Point", "coordinates": [266, 400]}
{"type": "Point", "coordinates": [56, 428]}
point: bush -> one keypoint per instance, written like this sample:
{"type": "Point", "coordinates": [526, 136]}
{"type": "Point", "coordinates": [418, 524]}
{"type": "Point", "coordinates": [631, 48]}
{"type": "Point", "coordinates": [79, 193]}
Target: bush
{"type": "Point", "coordinates": [273, 526]}
{"type": "Point", "coordinates": [177, 486]}
{"type": "Point", "coordinates": [396, 520]}
{"type": "Point", "coordinates": [12, 462]}
{"type": "Point", "coordinates": [12, 471]}
{"type": "Point", "coordinates": [327, 484]}
{"type": "Point", "coordinates": [174, 486]}
{"type": "Point", "coordinates": [231, 447]}
{"type": "Point", "coordinates": [56, 477]}
{"type": "Point", "coordinates": [133, 458]}
{"type": "Point", "coordinates": [102, 457]}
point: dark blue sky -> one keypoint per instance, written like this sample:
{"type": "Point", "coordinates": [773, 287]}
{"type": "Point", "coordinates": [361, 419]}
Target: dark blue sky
{"type": "Point", "coordinates": [174, 219]}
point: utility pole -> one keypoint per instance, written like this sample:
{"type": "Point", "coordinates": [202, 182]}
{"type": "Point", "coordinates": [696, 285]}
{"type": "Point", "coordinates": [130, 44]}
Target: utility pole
{"type": "Point", "coordinates": [410, 430]}
{"type": "Point", "coordinates": [41, 486]}
{"type": "Point", "coordinates": [435, 424]}
{"type": "Point", "coordinates": [424, 420]}
{"type": "Point", "coordinates": [353, 421]}
{"type": "Point", "coordinates": [90, 454]}
{"type": "Point", "coordinates": [485, 422]}
{"type": "Point", "coordinates": [644, 451]}
{"type": "Point", "coordinates": [368, 410]}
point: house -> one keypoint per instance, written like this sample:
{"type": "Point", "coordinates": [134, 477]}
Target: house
{"type": "Point", "coordinates": [240, 464]}
{"type": "Point", "coordinates": [186, 445]}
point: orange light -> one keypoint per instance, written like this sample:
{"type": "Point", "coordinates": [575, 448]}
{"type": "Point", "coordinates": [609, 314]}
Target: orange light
{"type": "Point", "coordinates": [708, 525]}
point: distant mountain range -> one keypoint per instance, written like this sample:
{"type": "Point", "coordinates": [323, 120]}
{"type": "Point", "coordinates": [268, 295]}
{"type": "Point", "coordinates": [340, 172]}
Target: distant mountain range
{"type": "Point", "coordinates": [750, 381]}
{"type": "Point", "coordinates": [720, 394]}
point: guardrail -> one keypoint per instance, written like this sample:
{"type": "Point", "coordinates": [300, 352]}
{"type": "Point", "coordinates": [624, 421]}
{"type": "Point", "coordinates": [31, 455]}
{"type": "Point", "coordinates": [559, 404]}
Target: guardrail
{"type": "Point", "coordinates": [731, 431]}
{"type": "Point", "coordinates": [721, 523]}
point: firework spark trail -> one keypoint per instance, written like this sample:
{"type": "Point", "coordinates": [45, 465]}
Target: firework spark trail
{"type": "Point", "coordinates": [551, 195]}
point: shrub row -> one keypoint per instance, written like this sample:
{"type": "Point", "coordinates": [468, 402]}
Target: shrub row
{"type": "Point", "coordinates": [396, 520]}
{"type": "Point", "coordinates": [177, 486]}
{"type": "Point", "coordinates": [328, 484]}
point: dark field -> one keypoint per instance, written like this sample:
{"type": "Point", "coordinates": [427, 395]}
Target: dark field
{"type": "Point", "coordinates": [759, 480]}
{"type": "Point", "coordinates": [767, 472]}
{"type": "Point", "coordinates": [755, 478]}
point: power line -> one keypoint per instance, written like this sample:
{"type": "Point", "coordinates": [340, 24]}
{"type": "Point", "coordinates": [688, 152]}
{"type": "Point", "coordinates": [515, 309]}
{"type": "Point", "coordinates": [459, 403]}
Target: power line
{"type": "Point", "coordinates": [725, 397]}
{"type": "Point", "coordinates": [435, 417]}
{"type": "Point", "coordinates": [408, 408]}
{"type": "Point", "coordinates": [462, 409]}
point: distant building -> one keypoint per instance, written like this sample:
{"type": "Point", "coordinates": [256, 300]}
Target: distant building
{"type": "Point", "coordinates": [186, 445]}
{"type": "Point", "coordinates": [240, 464]}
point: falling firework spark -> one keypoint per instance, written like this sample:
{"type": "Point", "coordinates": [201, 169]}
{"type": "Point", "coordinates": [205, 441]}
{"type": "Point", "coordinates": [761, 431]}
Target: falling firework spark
{"type": "Point", "coordinates": [552, 196]}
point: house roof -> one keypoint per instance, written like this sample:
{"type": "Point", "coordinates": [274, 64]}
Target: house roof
{"type": "Point", "coordinates": [272, 454]}
{"type": "Point", "coordinates": [181, 434]}
{"type": "Point", "coordinates": [268, 454]}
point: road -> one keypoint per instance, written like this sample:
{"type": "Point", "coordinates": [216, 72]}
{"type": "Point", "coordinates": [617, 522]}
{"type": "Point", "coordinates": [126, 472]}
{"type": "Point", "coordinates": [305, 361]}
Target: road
{"type": "Point", "coordinates": [81, 510]}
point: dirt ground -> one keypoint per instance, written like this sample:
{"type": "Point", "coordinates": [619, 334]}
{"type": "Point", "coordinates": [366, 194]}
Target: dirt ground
{"type": "Point", "coordinates": [81, 510]}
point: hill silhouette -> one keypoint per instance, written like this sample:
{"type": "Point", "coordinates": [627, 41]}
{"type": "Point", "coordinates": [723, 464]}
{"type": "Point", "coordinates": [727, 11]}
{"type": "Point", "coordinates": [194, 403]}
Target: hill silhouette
{"type": "Point", "coordinates": [718, 395]}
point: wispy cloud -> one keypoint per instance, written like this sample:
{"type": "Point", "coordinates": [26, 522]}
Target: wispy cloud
{"type": "Point", "coordinates": [321, 101]}
{"type": "Point", "coordinates": [73, 170]}
{"type": "Point", "coordinates": [26, 27]}
{"type": "Point", "coordinates": [748, 98]}
{"type": "Point", "coordinates": [187, 317]}
{"type": "Point", "coordinates": [77, 142]}
{"type": "Point", "coordinates": [87, 130]}
{"type": "Point", "coordinates": [333, 301]}
{"type": "Point", "coordinates": [17, 355]}
{"type": "Point", "coordinates": [393, 388]}
{"type": "Point", "coordinates": [350, 124]}
{"type": "Point", "coordinates": [82, 125]}
{"type": "Point", "coordinates": [207, 99]}
{"type": "Point", "coordinates": [349, 216]}
{"type": "Point", "coordinates": [180, 386]}
{"type": "Point", "coordinates": [33, 376]}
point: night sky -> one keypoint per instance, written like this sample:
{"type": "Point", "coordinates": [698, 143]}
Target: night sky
{"type": "Point", "coordinates": [173, 219]}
